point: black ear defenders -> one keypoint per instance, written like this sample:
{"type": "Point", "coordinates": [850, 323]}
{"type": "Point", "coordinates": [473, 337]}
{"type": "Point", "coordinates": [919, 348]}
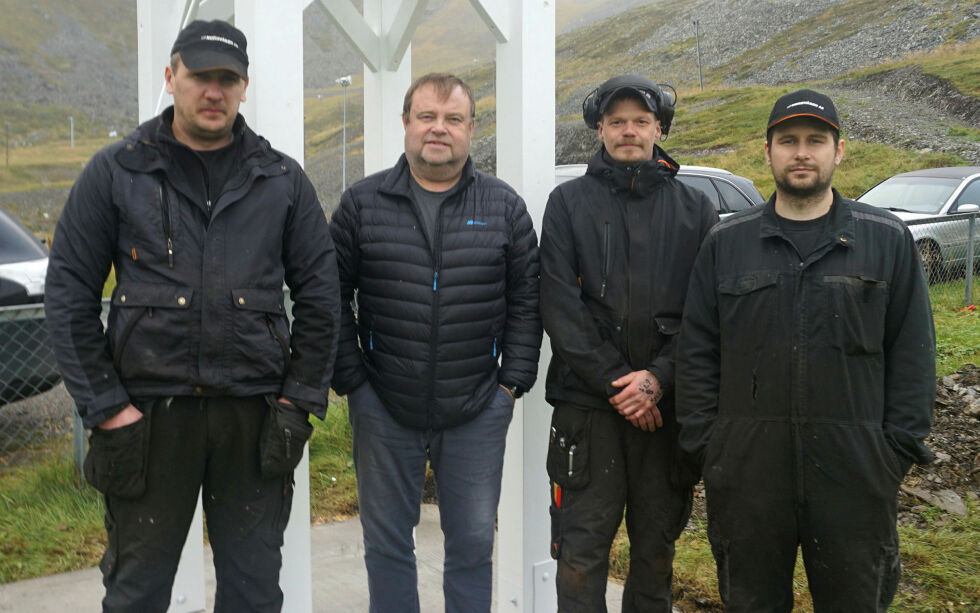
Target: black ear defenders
{"type": "Point", "coordinates": [659, 98]}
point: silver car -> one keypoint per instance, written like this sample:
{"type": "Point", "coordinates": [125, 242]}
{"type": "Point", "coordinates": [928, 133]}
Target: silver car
{"type": "Point", "coordinates": [950, 194]}
{"type": "Point", "coordinates": [727, 191]}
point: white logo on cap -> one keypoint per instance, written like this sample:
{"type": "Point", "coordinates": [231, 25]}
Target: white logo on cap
{"type": "Point", "coordinates": [807, 102]}
{"type": "Point", "coordinates": [220, 39]}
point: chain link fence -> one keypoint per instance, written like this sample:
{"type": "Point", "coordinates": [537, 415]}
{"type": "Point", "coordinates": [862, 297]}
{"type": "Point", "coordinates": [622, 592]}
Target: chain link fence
{"type": "Point", "coordinates": [949, 249]}
{"type": "Point", "coordinates": [34, 407]}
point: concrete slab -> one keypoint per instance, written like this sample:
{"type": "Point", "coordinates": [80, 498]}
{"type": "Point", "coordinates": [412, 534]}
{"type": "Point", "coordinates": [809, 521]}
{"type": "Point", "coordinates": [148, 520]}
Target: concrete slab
{"type": "Point", "coordinates": [339, 577]}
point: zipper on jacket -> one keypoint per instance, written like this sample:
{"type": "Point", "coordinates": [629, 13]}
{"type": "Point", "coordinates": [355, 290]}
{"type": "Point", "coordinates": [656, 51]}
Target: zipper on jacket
{"type": "Point", "coordinates": [799, 380]}
{"type": "Point", "coordinates": [371, 340]}
{"type": "Point", "coordinates": [495, 346]}
{"type": "Point", "coordinates": [167, 228]}
{"type": "Point", "coordinates": [605, 260]}
{"type": "Point", "coordinates": [435, 281]}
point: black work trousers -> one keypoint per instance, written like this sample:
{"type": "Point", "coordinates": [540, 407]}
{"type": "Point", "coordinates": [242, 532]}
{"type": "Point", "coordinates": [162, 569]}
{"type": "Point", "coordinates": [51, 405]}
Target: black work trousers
{"type": "Point", "coordinates": [848, 540]}
{"type": "Point", "coordinates": [627, 467]}
{"type": "Point", "coordinates": [194, 443]}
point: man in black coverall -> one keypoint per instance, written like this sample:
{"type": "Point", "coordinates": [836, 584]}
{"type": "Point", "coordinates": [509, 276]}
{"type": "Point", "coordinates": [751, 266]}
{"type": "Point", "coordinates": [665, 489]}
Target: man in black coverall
{"type": "Point", "coordinates": [617, 247]}
{"type": "Point", "coordinates": [198, 380]}
{"type": "Point", "coordinates": [806, 379]}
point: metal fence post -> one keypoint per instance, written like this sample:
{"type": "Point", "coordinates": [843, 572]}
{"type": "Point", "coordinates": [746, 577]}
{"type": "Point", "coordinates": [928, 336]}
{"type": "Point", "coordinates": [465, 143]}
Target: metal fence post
{"type": "Point", "coordinates": [78, 443]}
{"type": "Point", "coordinates": [971, 241]}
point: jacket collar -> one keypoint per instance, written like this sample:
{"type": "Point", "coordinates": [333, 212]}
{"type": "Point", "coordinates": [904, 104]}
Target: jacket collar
{"type": "Point", "coordinates": [396, 181]}
{"type": "Point", "coordinates": [146, 149]}
{"type": "Point", "coordinates": [840, 223]}
{"type": "Point", "coordinates": [638, 180]}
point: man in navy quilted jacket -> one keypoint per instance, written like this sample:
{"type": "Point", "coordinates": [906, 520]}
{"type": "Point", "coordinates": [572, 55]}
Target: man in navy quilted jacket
{"type": "Point", "coordinates": [439, 335]}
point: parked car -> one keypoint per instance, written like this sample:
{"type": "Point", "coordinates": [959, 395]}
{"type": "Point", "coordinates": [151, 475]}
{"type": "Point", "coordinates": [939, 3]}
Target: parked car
{"type": "Point", "coordinates": [934, 193]}
{"type": "Point", "coordinates": [729, 192]}
{"type": "Point", "coordinates": [27, 363]}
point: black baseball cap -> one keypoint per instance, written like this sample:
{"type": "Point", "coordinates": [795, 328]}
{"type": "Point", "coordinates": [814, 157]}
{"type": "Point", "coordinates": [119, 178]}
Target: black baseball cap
{"type": "Point", "coordinates": [640, 87]}
{"type": "Point", "coordinates": [804, 103]}
{"type": "Point", "coordinates": [212, 45]}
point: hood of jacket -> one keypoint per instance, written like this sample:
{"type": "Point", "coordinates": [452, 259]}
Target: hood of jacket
{"type": "Point", "coordinates": [636, 180]}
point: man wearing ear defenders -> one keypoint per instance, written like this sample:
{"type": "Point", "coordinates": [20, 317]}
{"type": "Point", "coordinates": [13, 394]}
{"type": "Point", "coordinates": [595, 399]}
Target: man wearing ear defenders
{"type": "Point", "coordinates": [617, 248]}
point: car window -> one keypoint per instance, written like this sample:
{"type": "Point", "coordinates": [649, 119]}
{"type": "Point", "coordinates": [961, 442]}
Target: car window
{"type": "Point", "coordinates": [17, 244]}
{"type": "Point", "coordinates": [734, 199]}
{"type": "Point", "coordinates": [970, 195]}
{"type": "Point", "coordinates": [914, 194]}
{"type": "Point", "coordinates": [704, 184]}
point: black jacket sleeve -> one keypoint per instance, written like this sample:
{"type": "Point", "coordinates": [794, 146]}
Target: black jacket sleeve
{"type": "Point", "coordinates": [663, 366]}
{"type": "Point", "coordinates": [81, 257]}
{"type": "Point", "coordinates": [521, 346]}
{"type": "Point", "coordinates": [310, 264]}
{"type": "Point", "coordinates": [699, 357]}
{"type": "Point", "coordinates": [575, 338]}
{"type": "Point", "coordinates": [910, 357]}
{"type": "Point", "coordinates": [350, 371]}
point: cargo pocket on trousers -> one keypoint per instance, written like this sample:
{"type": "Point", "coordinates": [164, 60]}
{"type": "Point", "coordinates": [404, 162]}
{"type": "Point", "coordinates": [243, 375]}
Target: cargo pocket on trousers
{"type": "Point", "coordinates": [889, 572]}
{"type": "Point", "coordinates": [556, 529]}
{"type": "Point", "coordinates": [116, 460]}
{"type": "Point", "coordinates": [284, 508]}
{"type": "Point", "coordinates": [719, 550]}
{"type": "Point", "coordinates": [284, 434]}
{"type": "Point", "coordinates": [568, 447]}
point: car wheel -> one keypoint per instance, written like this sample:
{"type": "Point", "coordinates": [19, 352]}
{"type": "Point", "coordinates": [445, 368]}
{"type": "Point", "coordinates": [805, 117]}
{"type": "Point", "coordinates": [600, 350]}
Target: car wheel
{"type": "Point", "coordinates": [932, 263]}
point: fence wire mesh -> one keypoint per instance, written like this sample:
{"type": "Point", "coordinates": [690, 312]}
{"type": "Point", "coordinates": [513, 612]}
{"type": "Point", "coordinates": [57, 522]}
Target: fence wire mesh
{"type": "Point", "coordinates": [34, 407]}
{"type": "Point", "coordinates": [949, 249]}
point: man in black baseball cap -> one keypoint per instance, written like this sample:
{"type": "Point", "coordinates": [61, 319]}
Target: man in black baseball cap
{"type": "Point", "coordinates": [199, 382]}
{"type": "Point", "coordinates": [805, 379]}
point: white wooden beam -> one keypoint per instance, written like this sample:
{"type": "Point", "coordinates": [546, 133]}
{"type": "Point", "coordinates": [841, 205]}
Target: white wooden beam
{"type": "Point", "coordinates": [365, 41]}
{"type": "Point", "coordinates": [496, 16]}
{"type": "Point", "coordinates": [215, 9]}
{"type": "Point", "coordinates": [399, 35]}
{"type": "Point", "coordinates": [384, 90]}
{"type": "Point", "coordinates": [525, 93]}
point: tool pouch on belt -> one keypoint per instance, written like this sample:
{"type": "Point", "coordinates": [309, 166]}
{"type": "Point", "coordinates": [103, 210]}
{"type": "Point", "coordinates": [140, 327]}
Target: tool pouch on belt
{"type": "Point", "coordinates": [568, 447]}
{"type": "Point", "coordinates": [284, 433]}
{"type": "Point", "coordinates": [116, 460]}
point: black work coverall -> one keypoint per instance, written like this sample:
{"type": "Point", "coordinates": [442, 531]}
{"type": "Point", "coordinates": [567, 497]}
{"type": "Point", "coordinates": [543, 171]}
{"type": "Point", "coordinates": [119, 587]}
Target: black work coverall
{"type": "Point", "coordinates": [617, 248]}
{"type": "Point", "coordinates": [806, 387]}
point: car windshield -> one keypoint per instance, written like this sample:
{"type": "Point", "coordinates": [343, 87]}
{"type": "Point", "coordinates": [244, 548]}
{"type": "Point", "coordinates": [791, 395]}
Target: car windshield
{"type": "Point", "coordinates": [913, 194]}
{"type": "Point", "coordinates": [17, 244]}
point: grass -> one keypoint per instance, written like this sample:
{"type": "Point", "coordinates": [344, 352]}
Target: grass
{"type": "Point", "coordinates": [957, 328]}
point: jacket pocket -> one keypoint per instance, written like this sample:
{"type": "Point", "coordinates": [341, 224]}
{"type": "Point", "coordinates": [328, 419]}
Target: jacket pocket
{"type": "Point", "coordinates": [116, 460]}
{"type": "Point", "coordinates": [149, 331]}
{"type": "Point", "coordinates": [568, 447]}
{"type": "Point", "coordinates": [750, 297]}
{"type": "Point", "coordinates": [857, 305]}
{"type": "Point", "coordinates": [261, 331]}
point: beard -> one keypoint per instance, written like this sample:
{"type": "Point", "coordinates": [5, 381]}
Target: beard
{"type": "Point", "coordinates": [819, 185]}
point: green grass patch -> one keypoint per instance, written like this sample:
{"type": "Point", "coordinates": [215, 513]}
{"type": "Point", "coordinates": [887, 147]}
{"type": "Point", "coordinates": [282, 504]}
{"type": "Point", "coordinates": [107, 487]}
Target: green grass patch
{"type": "Point", "coordinates": [957, 328]}
{"type": "Point", "coordinates": [50, 519]}
{"type": "Point", "coordinates": [333, 483]}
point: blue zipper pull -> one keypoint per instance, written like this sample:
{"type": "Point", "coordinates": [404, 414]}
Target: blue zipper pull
{"type": "Point", "coordinates": [435, 281]}
{"type": "Point", "coordinates": [495, 346]}
{"type": "Point", "coordinates": [371, 340]}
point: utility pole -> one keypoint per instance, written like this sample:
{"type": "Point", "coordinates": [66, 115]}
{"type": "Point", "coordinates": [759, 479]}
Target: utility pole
{"type": "Point", "coordinates": [344, 82]}
{"type": "Point", "coordinates": [71, 123]}
{"type": "Point", "coordinates": [697, 40]}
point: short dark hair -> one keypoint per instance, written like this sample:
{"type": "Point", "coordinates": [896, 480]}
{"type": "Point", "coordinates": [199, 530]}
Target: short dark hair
{"type": "Point", "coordinates": [174, 62]}
{"type": "Point", "coordinates": [444, 83]}
{"type": "Point", "coordinates": [810, 120]}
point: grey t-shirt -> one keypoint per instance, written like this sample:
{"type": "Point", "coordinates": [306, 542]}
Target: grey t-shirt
{"type": "Point", "coordinates": [429, 203]}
